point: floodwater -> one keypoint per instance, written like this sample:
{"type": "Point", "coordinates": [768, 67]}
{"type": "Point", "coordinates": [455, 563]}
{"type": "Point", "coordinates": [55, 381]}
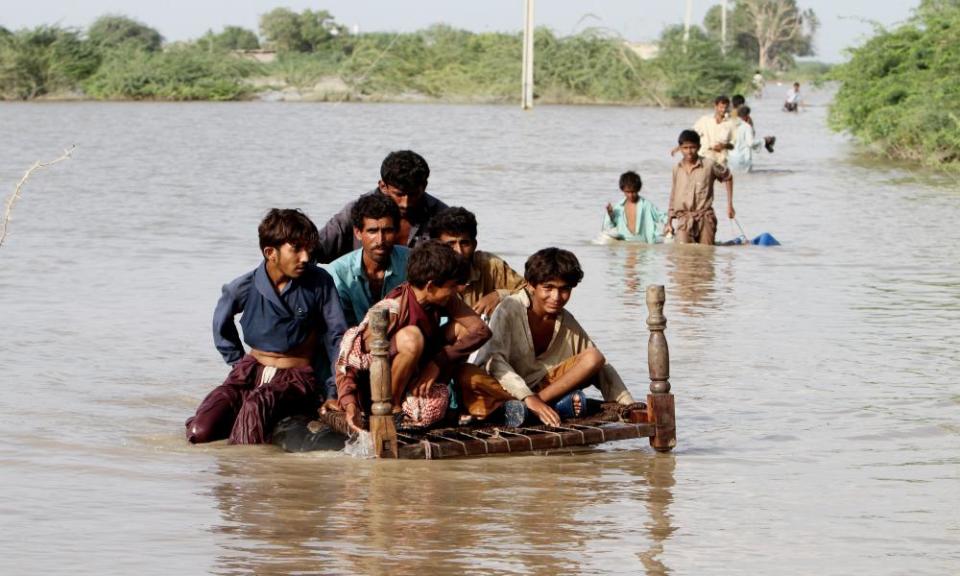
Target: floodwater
{"type": "Point", "coordinates": [816, 383]}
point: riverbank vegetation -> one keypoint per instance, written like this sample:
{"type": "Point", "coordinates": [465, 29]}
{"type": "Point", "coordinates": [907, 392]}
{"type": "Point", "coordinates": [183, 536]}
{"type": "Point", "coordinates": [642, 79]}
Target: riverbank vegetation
{"type": "Point", "coordinates": [900, 91]}
{"type": "Point", "coordinates": [312, 56]}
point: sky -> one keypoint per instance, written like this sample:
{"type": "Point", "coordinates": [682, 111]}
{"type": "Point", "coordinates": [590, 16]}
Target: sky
{"type": "Point", "coordinates": [844, 23]}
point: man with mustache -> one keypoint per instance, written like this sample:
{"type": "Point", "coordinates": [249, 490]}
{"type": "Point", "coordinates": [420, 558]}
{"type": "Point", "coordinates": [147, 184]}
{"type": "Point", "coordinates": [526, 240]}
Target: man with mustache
{"type": "Point", "coordinates": [366, 275]}
{"type": "Point", "coordinates": [293, 324]}
{"type": "Point", "coordinates": [403, 178]}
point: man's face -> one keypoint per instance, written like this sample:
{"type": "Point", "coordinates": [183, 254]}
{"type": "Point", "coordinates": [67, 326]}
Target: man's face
{"type": "Point", "coordinates": [631, 194]}
{"type": "Point", "coordinates": [408, 200]}
{"type": "Point", "coordinates": [461, 244]}
{"type": "Point", "coordinates": [551, 296]}
{"type": "Point", "coordinates": [689, 151]}
{"type": "Point", "coordinates": [721, 108]}
{"type": "Point", "coordinates": [440, 294]}
{"type": "Point", "coordinates": [377, 237]}
{"type": "Point", "coordinates": [290, 260]}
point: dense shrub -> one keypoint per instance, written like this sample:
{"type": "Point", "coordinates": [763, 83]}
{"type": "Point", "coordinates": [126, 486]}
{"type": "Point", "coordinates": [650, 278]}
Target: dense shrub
{"type": "Point", "coordinates": [38, 61]}
{"type": "Point", "coordinates": [697, 73]}
{"type": "Point", "coordinates": [901, 89]}
{"type": "Point", "coordinates": [185, 73]}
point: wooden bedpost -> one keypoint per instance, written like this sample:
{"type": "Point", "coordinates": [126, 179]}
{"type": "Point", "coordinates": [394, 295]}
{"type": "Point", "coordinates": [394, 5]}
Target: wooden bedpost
{"type": "Point", "coordinates": [660, 410]}
{"type": "Point", "coordinates": [383, 433]}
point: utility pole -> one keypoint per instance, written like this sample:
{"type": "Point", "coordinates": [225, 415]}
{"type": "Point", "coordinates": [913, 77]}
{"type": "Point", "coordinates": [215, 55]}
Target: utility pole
{"type": "Point", "coordinates": [686, 24]}
{"type": "Point", "coordinates": [723, 26]}
{"type": "Point", "coordinates": [526, 99]}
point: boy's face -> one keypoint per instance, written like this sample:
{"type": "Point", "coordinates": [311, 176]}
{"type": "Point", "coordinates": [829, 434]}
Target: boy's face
{"type": "Point", "coordinates": [289, 260]}
{"type": "Point", "coordinates": [377, 237]}
{"type": "Point", "coordinates": [440, 294]}
{"type": "Point", "coordinates": [551, 296]}
{"type": "Point", "coordinates": [461, 244]}
{"type": "Point", "coordinates": [689, 151]}
{"type": "Point", "coordinates": [407, 200]}
{"type": "Point", "coordinates": [631, 194]}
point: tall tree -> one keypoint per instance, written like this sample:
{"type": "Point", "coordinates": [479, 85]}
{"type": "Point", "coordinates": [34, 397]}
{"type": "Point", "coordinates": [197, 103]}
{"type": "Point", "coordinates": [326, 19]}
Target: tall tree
{"type": "Point", "coordinates": [231, 38]}
{"type": "Point", "coordinates": [309, 31]}
{"type": "Point", "coordinates": [768, 32]}
{"type": "Point", "coordinates": [112, 31]}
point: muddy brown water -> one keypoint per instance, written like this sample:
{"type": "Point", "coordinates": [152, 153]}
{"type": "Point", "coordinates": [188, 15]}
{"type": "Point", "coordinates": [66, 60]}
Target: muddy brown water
{"type": "Point", "coordinates": [816, 383]}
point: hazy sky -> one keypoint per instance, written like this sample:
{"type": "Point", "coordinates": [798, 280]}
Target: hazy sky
{"type": "Point", "coordinates": [843, 22]}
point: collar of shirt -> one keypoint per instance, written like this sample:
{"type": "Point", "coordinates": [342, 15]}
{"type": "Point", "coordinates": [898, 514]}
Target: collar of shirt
{"type": "Point", "coordinates": [357, 271]}
{"type": "Point", "coordinates": [261, 280]}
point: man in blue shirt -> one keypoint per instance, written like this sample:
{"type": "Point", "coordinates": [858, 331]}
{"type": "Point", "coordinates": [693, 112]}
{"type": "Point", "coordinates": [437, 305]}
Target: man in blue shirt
{"type": "Point", "coordinates": [293, 324]}
{"type": "Point", "coordinates": [363, 277]}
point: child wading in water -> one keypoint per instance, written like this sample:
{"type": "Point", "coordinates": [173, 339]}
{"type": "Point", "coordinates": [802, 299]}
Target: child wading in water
{"type": "Point", "coordinates": [634, 218]}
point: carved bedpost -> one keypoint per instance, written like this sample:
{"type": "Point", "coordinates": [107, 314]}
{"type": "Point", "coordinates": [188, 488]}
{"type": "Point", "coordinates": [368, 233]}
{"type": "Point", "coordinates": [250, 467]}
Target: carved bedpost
{"type": "Point", "coordinates": [660, 409]}
{"type": "Point", "coordinates": [382, 431]}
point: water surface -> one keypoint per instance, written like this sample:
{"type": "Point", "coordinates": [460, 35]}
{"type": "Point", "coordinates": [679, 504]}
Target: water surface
{"type": "Point", "coordinates": [816, 383]}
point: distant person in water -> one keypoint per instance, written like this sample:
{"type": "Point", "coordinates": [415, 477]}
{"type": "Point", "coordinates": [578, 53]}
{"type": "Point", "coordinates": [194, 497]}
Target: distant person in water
{"type": "Point", "coordinates": [792, 102]}
{"type": "Point", "coordinates": [363, 277]}
{"type": "Point", "coordinates": [745, 144]}
{"type": "Point", "coordinates": [691, 194]}
{"type": "Point", "coordinates": [490, 279]}
{"type": "Point", "coordinates": [716, 131]}
{"type": "Point", "coordinates": [403, 178]}
{"type": "Point", "coordinates": [539, 359]}
{"type": "Point", "coordinates": [292, 322]}
{"type": "Point", "coordinates": [758, 84]}
{"type": "Point", "coordinates": [634, 218]}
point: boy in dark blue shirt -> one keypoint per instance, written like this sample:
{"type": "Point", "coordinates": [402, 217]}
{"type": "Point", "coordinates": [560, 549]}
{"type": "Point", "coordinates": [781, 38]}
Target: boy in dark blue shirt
{"type": "Point", "coordinates": [293, 323]}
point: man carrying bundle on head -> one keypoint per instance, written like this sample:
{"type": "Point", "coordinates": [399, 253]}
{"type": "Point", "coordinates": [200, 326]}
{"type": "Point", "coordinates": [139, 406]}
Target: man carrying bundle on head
{"type": "Point", "coordinates": [291, 320]}
{"type": "Point", "coordinates": [539, 358]}
{"type": "Point", "coordinates": [491, 279]}
{"type": "Point", "coordinates": [403, 178]}
{"type": "Point", "coordinates": [423, 354]}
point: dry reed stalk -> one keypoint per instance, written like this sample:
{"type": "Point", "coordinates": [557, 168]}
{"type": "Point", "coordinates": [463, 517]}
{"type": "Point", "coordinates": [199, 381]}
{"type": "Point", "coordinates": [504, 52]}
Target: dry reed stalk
{"type": "Point", "coordinates": [5, 223]}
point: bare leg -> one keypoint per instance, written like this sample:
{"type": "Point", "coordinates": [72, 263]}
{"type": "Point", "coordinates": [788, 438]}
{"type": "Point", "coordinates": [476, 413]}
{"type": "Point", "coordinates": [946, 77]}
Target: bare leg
{"type": "Point", "coordinates": [587, 364]}
{"type": "Point", "coordinates": [409, 343]}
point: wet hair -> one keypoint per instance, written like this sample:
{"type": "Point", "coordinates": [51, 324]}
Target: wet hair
{"type": "Point", "coordinates": [631, 180]}
{"type": "Point", "coordinates": [722, 98]}
{"type": "Point", "coordinates": [689, 136]}
{"type": "Point", "coordinates": [738, 100]}
{"type": "Point", "coordinates": [455, 220]}
{"type": "Point", "coordinates": [405, 169]}
{"type": "Point", "coordinates": [375, 206]}
{"type": "Point", "coordinates": [434, 261]}
{"type": "Point", "coordinates": [743, 111]}
{"type": "Point", "coordinates": [284, 225]}
{"type": "Point", "coordinates": [553, 264]}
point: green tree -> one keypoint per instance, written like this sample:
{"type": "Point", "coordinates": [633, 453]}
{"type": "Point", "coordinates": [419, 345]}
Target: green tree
{"type": "Point", "coordinates": [768, 32]}
{"type": "Point", "coordinates": [38, 61]}
{"type": "Point", "coordinates": [280, 30]}
{"type": "Point", "coordinates": [695, 72]}
{"type": "Point", "coordinates": [112, 31]}
{"type": "Point", "coordinates": [231, 38]}
{"type": "Point", "coordinates": [310, 31]}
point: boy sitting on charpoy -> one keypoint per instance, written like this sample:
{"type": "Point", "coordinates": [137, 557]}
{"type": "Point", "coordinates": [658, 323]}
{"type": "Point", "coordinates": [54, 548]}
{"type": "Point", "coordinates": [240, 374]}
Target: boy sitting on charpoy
{"type": "Point", "coordinates": [423, 354]}
{"type": "Point", "coordinates": [539, 357]}
{"type": "Point", "coordinates": [634, 219]}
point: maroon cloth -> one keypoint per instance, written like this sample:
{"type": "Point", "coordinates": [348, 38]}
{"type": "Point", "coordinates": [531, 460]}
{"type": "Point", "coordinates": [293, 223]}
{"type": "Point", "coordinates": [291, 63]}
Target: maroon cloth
{"type": "Point", "coordinates": [246, 413]}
